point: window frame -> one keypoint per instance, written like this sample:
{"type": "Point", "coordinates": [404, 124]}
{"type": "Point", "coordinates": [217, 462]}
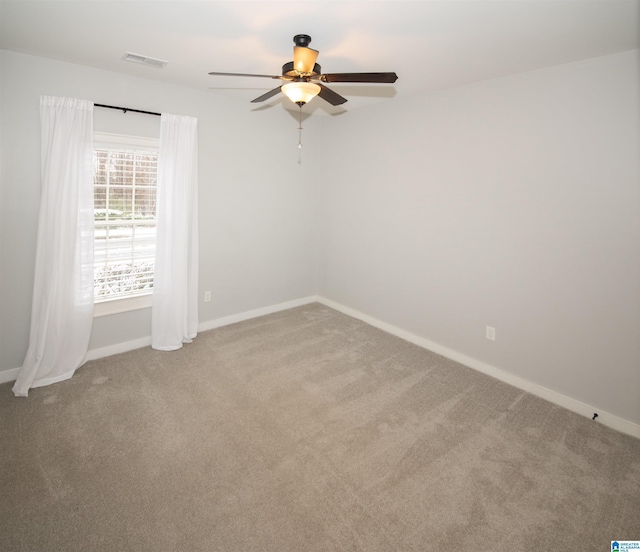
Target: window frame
{"type": "Point", "coordinates": [139, 143]}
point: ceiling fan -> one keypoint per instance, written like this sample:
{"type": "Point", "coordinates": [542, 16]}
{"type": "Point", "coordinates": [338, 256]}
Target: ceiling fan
{"type": "Point", "coordinates": [304, 78]}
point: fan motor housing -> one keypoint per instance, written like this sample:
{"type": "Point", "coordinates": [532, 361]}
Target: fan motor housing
{"type": "Point", "coordinates": [289, 71]}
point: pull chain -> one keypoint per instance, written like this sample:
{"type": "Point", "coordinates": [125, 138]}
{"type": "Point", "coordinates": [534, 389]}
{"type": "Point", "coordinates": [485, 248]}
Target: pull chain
{"type": "Point", "coordinates": [300, 139]}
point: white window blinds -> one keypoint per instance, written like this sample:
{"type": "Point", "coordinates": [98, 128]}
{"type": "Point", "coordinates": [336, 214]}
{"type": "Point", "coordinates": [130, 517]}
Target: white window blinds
{"type": "Point", "coordinates": [125, 181]}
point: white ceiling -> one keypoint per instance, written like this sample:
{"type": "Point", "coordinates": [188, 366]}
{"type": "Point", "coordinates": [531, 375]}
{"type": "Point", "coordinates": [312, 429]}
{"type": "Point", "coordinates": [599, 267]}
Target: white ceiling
{"type": "Point", "coordinates": [430, 44]}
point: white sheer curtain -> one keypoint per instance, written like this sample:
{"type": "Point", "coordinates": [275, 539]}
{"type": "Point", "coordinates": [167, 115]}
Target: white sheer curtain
{"type": "Point", "coordinates": [174, 316]}
{"type": "Point", "coordinates": [62, 309]}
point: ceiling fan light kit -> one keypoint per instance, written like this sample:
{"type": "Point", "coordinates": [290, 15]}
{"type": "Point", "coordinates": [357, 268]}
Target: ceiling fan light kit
{"type": "Point", "coordinates": [300, 92]}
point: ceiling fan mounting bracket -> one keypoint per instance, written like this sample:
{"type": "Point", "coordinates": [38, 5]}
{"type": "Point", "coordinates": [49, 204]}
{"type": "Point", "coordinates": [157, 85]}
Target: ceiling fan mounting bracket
{"type": "Point", "coordinates": [302, 40]}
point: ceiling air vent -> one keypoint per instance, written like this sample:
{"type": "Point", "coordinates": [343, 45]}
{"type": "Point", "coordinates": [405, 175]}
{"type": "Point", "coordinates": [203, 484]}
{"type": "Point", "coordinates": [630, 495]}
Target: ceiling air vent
{"type": "Point", "coordinates": [144, 60]}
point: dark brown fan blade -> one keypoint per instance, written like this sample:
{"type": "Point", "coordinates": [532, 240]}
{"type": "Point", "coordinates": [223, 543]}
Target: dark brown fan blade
{"type": "Point", "coordinates": [330, 96]}
{"type": "Point", "coordinates": [248, 75]}
{"type": "Point", "coordinates": [266, 96]}
{"type": "Point", "coordinates": [360, 77]}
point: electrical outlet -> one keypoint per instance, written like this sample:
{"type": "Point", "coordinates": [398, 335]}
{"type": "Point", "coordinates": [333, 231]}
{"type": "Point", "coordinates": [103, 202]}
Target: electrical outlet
{"type": "Point", "coordinates": [491, 333]}
{"type": "Point", "coordinates": [207, 296]}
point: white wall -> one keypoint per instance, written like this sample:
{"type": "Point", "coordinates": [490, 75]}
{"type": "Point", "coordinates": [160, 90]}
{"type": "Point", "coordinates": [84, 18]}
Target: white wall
{"type": "Point", "coordinates": [513, 203]}
{"type": "Point", "coordinates": [257, 214]}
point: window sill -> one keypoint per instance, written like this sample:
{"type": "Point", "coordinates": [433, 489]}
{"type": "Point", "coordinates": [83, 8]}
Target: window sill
{"type": "Point", "coordinates": [115, 306]}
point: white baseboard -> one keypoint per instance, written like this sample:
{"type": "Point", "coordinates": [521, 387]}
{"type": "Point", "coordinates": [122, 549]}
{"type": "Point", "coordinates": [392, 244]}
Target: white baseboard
{"type": "Point", "coordinates": [226, 320]}
{"type": "Point", "coordinates": [117, 348]}
{"type": "Point", "coordinates": [202, 327]}
{"type": "Point", "coordinates": [605, 418]}
{"type": "Point", "coordinates": [93, 354]}
{"type": "Point", "coordinates": [9, 375]}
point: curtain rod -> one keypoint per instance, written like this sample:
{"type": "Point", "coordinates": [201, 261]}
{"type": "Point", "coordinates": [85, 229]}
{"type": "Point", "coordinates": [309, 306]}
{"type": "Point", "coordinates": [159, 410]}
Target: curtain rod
{"type": "Point", "coordinates": [125, 109]}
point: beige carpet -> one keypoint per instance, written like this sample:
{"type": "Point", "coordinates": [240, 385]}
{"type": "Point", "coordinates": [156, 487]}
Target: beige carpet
{"type": "Point", "coordinates": [300, 431]}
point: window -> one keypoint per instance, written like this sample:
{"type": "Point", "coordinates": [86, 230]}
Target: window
{"type": "Point", "coordinates": [125, 177]}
